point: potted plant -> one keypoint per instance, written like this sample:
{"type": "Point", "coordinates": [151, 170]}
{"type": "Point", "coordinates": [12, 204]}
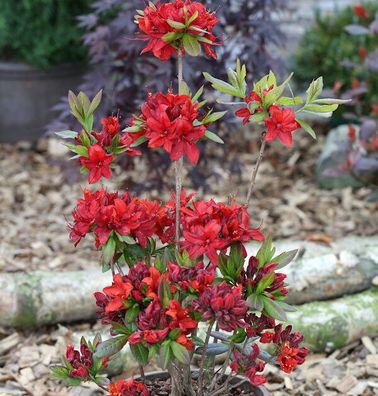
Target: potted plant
{"type": "Point", "coordinates": [40, 56]}
{"type": "Point", "coordinates": [190, 293]}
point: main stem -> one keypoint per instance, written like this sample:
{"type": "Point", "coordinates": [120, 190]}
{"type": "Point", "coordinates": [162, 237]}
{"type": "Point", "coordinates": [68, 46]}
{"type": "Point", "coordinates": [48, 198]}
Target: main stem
{"type": "Point", "coordinates": [256, 169]}
{"type": "Point", "coordinates": [179, 163]}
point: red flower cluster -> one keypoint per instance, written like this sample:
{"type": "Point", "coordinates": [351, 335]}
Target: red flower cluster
{"type": "Point", "coordinates": [223, 303]}
{"type": "Point", "coordinates": [281, 124]}
{"type": "Point", "coordinates": [100, 154]}
{"type": "Point", "coordinates": [246, 112]}
{"type": "Point", "coordinates": [209, 227]}
{"type": "Point", "coordinates": [128, 388]}
{"type": "Point", "coordinates": [254, 275]}
{"type": "Point", "coordinates": [191, 279]}
{"type": "Point", "coordinates": [156, 26]}
{"type": "Point", "coordinates": [102, 212]}
{"type": "Point", "coordinates": [167, 120]}
{"type": "Point", "coordinates": [81, 361]}
{"type": "Point", "coordinates": [154, 321]}
{"type": "Point", "coordinates": [248, 365]}
{"type": "Point", "coordinates": [290, 353]}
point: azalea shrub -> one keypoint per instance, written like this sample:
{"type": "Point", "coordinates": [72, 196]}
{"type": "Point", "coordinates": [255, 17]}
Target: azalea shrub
{"type": "Point", "coordinates": [185, 287]}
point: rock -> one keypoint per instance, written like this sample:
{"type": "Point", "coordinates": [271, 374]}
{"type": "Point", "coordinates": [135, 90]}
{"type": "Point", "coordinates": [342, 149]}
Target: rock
{"type": "Point", "coordinates": [372, 360]}
{"type": "Point", "coordinates": [330, 159]}
{"type": "Point", "coordinates": [368, 343]}
{"type": "Point", "coordinates": [359, 389]}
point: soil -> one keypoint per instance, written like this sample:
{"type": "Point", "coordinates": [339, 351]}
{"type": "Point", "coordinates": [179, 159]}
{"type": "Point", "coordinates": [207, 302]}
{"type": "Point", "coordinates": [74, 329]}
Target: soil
{"type": "Point", "coordinates": [163, 388]}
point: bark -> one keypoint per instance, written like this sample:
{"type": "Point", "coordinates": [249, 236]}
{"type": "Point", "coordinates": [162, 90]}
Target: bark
{"type": "Point", "coordinates": [325, 272]}
{"type": "Point", "coordinates": [329, 325]}
{"type": "Point", "coordinates": [39, 298]}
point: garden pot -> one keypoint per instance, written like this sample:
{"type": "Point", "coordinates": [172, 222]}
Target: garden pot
{"type": "Point", "coordinates": [27, 96]}
{"type": "Point", "coordinates": [163, 375]}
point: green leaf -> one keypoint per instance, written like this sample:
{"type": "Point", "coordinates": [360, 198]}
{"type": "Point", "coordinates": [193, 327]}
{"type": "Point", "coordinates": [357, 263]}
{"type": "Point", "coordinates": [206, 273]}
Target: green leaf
{"type": "Point", "coordinates": [78, 149]}
{"type": "Point", "coordinates": [323, 115]}
{"type": "Point", "coordinates": [84, 102]}
{"type": "Point", "coordinates": [191, 45]}
{"type": "Point", "coordinates": [223, 87]}
{"type": "Point", "coordinates": [306, 127]}
{"type": "Point", "coordinates": [140, 352]}
{"type": "Point", "coordinates": [265, 282]}
{"type": "Point", "coordinates": [73, 381]}
{"type": "Point", "coordinates": [273, 309]}
{"type": "Point", "coordinates": [212, 117]}
{"type": "Point", "coordinates": [286, 101]}
{"type": "Point", "coordinates": [266, 252]}
{"type": "Point", "coordinates": [314, 90]}
{"type": "Point", "coordinates": [329, 101]}
{"type": "Point", "coordinates": [126, 238]}
{"type": "Point", "coordinates": [85, 139]}
{"type": "Point", "coordinates": [175, 24]}
{"type": "Point", "coordinates": [171, 36]}
{"type": "Point", "coordinates": [192, 18]}
{"type": "Point", "coordinates": [197, 95]}
{"type": "Point", "coordinates": [271, 79]}
{"type": "Point", "coordinates": [60, 372]}
{"type": "Point", "coordinates": [180, 352]}
{"type": "Point", "coordinates": [184, 89]}
{"type": "Point", "coordinates": [285, 258]}
{"type": "Point", "coordinates": [321, 108]}
{"type": "Point", "coordinates": [165, 354]}
{"type": "Point", "coordinates": [110, 347]}
{"type": "Point", "coordinates": [67, 134]}
{"type": "Point", "coordinates": [259, 117]}
{"type": "Point", "coordinates": [132, 313]}
{"type": "Point", "coordinates": [255, 302]}
{"type": "Point", "coordinates": [164, 292]}
{"type": "Point", "coordinates": [139, 141]}
{"type": "Point", "coordinates": [95, 102]}
{"type": "Point", "coordinates": [108, 250]}
{"type": "Point", "coordinates": [88, 123]}
{"type": "Point", "coordinates": [212, 136]}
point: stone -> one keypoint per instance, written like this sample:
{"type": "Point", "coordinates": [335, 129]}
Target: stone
{"type": "Point", "coordinates": [368, 344]}
{"type": "Point", "coordinates": [346, 384]}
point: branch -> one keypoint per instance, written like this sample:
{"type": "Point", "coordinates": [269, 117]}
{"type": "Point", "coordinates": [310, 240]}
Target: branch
{"type": "Point", "coordinates": [202, 363]}
{"type": "Point", "coordinates": [256, 168]}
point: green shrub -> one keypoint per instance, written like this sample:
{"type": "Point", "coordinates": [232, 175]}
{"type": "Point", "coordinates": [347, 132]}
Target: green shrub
{"type": "Point", "coordinates": [41, 33]}
{"type": "Point", "coordinates": [327, 49]}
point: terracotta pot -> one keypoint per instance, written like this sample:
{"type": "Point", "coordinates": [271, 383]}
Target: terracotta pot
{"type": "Point", "coordinates": [27, 96]}
{"type": "Point", "coordinates": [259, 391]}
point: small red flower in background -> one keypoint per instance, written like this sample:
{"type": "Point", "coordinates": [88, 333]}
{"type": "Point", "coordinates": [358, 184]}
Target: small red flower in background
{"type": "Point", "coordinates": [281, 124]}
{"type": "Point", "coordinates": [360, 11]}
{"type": "Point", "coordinates": [168, 122]}
{"type": "Point", "coordinates": [362, 53]}
{"type": "Point", "coordinates": [374, 108]}
{"type": "Point", "coordinates": [288, 358]}
{"type": "Point", "coordinates": [180, 318]}
{"type": "Point", "coordinates": [128, 388]}
{"type": "Point", "coordinates": [155, 25]}
{"type": "Point", "coordinates": [98, 163]}
{"type": "Point", "coordinates": [352, 133]}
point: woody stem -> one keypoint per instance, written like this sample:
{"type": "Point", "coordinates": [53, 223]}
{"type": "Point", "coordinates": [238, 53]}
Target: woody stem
{"type": "Point", "coordinates": [179, 163]}
{"type": "Point", "coordinates": [256, 168]}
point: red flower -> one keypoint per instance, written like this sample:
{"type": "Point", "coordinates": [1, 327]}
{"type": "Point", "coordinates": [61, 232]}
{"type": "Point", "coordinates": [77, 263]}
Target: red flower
{"type": "Point", "coordinates": [185, 342]}
{"type": "Point", "coordinates": [281, 124]}
{"type": "Point", "coordinates": [168, 121]}
{"type": "Point", "coordinates": [128, 388]}
{"type": "Point", "coordinates": [180, 318]}
{"type": "Point", "coordinates": [98, 163]}
{"type": "Point", "coordinates": [362, 53]}
{"type": "Point", "coordinates": [245, 112]}
{"type": "Point", "coordinates": [222, 303]}
{"type": "Point", "coordinates": [155, 336]}
{"type": "Point", "coordinates": [288, 358]}
{"type": "Point", "coordinates": [110, 125]}
{"type": "Point", "coordinates": [80, 362]}
{"type": "Point", "coordinates": [154, 25]}
{"type": "Point", "coordinates": [118, 292]}
{"type": "Point", "coordinates": [360, 11]}
{"type": "Point", "coordinates": [248, 365]}
{"type": "Point", "coordinates": [267, 337]}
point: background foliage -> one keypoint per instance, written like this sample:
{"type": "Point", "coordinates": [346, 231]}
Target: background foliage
{"type": "Point", "coordinates": [327, 49]}
{"type": "Point", "coordinates": [41, 33]}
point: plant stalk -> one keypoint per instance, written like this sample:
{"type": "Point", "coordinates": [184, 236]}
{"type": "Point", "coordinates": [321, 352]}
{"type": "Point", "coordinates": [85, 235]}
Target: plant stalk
{"type": "Point", "coordinates": [179, 163]}
{"type": "Point", "coordinates": [203, 358]}
{"type": "Point", "coordinates": [256, 168]}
